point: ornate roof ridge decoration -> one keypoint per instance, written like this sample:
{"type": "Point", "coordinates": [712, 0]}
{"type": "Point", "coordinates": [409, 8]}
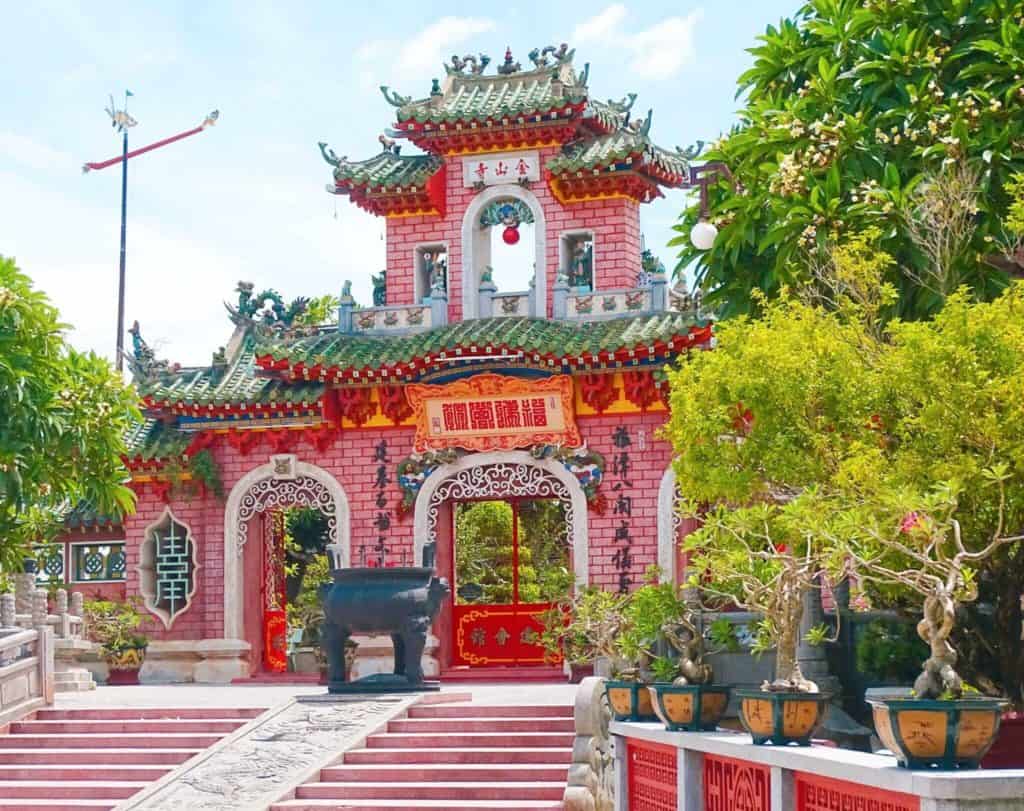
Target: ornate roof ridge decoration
{"type": "Point", "coordinates": [265, 313]}
{"type": "Point", "coordinates": [143, 363]}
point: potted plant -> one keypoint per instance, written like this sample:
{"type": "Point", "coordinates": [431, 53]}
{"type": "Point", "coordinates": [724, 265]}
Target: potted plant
{"type": "Point", "coordinates": [683, 694]}
{"type": "Point", "coordinates": [581, 628]}
{"type": "Point", "coordinates": [945, 723]}
{"type": "Point", "coordinates": [759, 558]}
{"type": "Point", "coordinates": [112, 624]}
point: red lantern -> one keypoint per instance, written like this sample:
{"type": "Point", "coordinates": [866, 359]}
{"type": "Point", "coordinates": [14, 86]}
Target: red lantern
{"type": "Point", "coordinates": [510, 234]}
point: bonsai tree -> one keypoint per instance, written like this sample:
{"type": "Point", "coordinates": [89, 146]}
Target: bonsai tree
{"type": "Point", "coordinates": [927, 555]}
{"type": "Point", "coordinates": [761, 558]}
{"type": "Point", "coordinates": [113, 625]}
{"type": "Point", "coordinates": [584, 626]}
{"type": "Point", "coordinates": [642, 639]}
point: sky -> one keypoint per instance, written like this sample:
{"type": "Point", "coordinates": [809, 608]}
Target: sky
{"type": "Point", "coordinates": [246, 199]}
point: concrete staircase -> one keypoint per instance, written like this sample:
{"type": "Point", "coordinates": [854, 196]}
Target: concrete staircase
{"type": "Point", "coordinates": [94, 758]}
{"type": "Point", "coordinates": [452, 756]}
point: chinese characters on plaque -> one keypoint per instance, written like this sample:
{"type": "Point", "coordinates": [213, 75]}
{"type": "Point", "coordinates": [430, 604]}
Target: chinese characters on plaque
{"type": "Point", "coordinates": [508, 167]}
{"type": "Point", "coordinates": [622, 509]}
{"type": "Point", "coordinates": [491, 412]}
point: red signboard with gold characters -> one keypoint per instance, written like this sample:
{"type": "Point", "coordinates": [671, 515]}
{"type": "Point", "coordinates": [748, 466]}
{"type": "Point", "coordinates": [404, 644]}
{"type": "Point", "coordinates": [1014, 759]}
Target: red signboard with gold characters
{"type": "Point", "coordinates": [491, 412]}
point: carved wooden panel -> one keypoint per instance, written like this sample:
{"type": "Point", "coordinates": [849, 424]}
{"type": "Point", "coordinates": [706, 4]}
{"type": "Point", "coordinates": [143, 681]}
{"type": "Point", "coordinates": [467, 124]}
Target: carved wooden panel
{"type": "Point", "coordinates": [652, 773]}
{"type": "Point", "coordinates": [735, 785]}
{"type": "Point", "coordinates": [815, 793]}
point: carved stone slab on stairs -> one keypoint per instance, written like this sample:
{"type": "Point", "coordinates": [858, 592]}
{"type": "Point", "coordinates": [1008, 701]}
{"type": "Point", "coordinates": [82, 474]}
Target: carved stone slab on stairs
{"type": "Point", "coordinates": [261, 762]}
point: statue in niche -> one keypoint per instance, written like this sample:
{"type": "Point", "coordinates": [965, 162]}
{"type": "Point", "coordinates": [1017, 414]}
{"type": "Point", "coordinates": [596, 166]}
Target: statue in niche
{"type": "Point", "coordinates": [435, 266]}
{"type": "Point", "coordinates": [581, 264]}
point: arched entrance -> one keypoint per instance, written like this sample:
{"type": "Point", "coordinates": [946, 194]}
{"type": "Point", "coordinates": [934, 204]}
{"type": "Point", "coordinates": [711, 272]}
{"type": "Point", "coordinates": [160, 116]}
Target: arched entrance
{"type": "Point", "coordinates": [252, 526]}
{"type": "Point", "coordinates": [476, 251]}
{"type": "Point", "coordinates": [525, 483]}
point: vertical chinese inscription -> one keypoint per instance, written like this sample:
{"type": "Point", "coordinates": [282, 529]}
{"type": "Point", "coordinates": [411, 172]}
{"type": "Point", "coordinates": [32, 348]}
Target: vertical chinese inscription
{"type": "Point", "coordinates": [382, 516]}
{"type": "Point", "coordinates": [622, 508]}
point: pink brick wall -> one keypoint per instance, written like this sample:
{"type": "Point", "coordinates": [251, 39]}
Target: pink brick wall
{"type": "Point", "coordinates": [615, 223]}
{"type": "Point", "coordinates": [351, 460]}
{"type": "Point", "coordinates": [647, 461]}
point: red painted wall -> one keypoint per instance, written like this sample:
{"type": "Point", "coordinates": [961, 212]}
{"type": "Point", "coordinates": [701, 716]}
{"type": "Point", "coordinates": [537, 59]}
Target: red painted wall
{"type": "Point", "coordinates": [614, 221]}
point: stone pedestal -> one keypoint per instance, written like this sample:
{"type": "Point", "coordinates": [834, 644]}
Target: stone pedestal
{"type": "Point", "coordinates": [70, 676]}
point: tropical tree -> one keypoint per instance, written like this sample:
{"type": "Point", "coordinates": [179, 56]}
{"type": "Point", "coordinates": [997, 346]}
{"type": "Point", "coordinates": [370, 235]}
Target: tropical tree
{"type": "Point", "coordinates": [904, 116]}
{"type": "Point", "coordinates": [64, 416]}
{"type": "Point", "coordinates": [816, 427]}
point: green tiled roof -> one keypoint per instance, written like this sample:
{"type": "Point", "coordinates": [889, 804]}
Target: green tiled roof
{"type": "Point", "coordinates": [470, 97]}
{"type": "Point", "coordinates": [155, 439]}
{"type": "Point", "coordinates": [615, 147]}
{"type": "Point", "coordinates": [532, 336]}
{"type": "Point", "coordinates": [389, 169]}
{"type": "Point", "coordinates": [238, 383]}
{"type": "Point", "coordinates": [84, 515]}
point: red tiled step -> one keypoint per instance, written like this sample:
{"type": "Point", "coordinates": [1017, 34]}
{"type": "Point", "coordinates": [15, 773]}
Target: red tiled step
{"type": "Point", "coordinates": [56, 805]}
{"type": "Point", "coordinates": [383, 756]}
{"type": "Point", "coordinates": [459, 740]}
{"type": "Point", "coordinates": [425, 772]}
{"type": "Point", "coordinates": [67, 790]}
{"type": "Point", "coordinates": [109, 771]}
{"type": "Point", "coordinates": [136, 713]}
{"type": "Point", "coordinates": [173, 740]}
{"type": "Point", "coordinates": [479, 711]}
{"type": "Point", "coordinates": [431, 791]}
{"type": "Point", "coordinates": [390, 805]}
{"type": "Point", "coordinates": [118, 727]}
{"type": "Point", "coordinates": [448, 725]}
{"type": "Point", "coordinates": [97, 757]}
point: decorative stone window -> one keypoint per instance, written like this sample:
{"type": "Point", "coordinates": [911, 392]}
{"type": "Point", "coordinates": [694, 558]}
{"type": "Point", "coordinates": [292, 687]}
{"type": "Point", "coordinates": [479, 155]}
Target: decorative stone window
{"type": "Point", "coordinates": [431, 269]}
{"type": "Point", "coordinates": [51, 563]}
{"type": "Point", "coordinates": [167, 568]}
{"type": "Point", "coordinates": [100, 562]}
{"type": "Point", "coordinates": [576, 259]}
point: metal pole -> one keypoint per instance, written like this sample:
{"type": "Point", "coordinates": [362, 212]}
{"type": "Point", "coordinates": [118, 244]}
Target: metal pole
{"type": "Point", "coordinates": [120, 279]}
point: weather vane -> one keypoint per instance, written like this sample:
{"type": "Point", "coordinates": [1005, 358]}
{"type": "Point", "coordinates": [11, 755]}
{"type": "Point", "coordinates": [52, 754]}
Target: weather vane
{"type": "Point", "coordinates": [122, 122]}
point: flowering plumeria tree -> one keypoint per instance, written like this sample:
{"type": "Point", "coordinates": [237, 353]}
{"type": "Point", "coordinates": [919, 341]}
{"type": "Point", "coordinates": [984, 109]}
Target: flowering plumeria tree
{"type": "Point", "coordinates": [853, 111]}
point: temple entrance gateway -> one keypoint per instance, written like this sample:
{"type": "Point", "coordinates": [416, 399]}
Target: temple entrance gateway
{"type": "Point", "coordinates": [512, 563]}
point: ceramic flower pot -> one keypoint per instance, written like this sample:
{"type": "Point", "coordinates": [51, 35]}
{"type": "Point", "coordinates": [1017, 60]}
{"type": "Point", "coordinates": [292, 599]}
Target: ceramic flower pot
{"type": "Point", "coordinates": [782, 718]}
{"type": "Point", "coordinates": [124, 665]}
{"type": "Point", "coordinates": [1008, 750]}
{"type": "Point", "coordinates": [691, 707]}
{"type": "Point", "coordinates": [937, 734]}
{"type": "Point", "coordinates": [630, 701]}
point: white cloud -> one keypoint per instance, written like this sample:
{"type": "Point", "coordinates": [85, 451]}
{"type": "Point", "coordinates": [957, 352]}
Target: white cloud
{"type": "Point", "coordinates": [601, 28]}
{"type": "Point", "coordinates": [25, 151]}
{"type": "Point", "coordinates": [420, 55]}
{"type": "Point", "coordinates": [658, 52]}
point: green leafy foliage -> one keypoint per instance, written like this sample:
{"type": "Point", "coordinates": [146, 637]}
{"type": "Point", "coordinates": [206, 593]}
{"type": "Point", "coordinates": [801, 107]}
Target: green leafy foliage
{"type": "Point", "coordinates": [63, 418]}
{"type": "Point", "coordinates": [112, 624]}
{"type": "Point", "coordinates": [890, 651]}
{"type": "Point", "coordinates": [835, 437]}
{"type": "Point", "coordinates": [850, 110]}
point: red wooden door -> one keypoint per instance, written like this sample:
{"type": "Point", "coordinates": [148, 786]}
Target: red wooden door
{"type": "Point", "coordinates": [273, 594]}
{"type": "Point", "coordinates": [508, 556]}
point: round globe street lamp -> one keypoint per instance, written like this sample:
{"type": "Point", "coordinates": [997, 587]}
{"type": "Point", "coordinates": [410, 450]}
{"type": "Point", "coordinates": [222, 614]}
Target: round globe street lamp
{"type": "Point", "coordinates": [703, 234]}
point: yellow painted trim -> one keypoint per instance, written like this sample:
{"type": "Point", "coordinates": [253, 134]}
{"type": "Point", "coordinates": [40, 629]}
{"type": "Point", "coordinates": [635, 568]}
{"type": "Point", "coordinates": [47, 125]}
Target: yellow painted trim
{"type": "Point", "coordinates": [454, 153]}
{"type": "Point", "coordinates": [433, 212]}
{"type": "Point", "coordinates": [147, 477]}
{"type": "Point", "coordinates": [568, 201]}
